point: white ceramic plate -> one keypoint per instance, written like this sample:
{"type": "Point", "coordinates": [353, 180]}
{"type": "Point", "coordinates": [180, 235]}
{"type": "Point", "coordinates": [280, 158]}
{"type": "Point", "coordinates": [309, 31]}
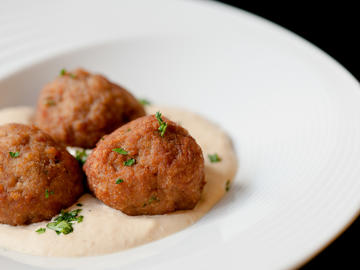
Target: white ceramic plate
{"type": "Point", "coordinates": [292, 111]}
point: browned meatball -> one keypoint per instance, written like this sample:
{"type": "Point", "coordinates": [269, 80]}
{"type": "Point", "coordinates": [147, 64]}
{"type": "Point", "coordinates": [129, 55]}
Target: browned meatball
{"type": "Point", "coordinates": [38, 177]}
{"type": "Point", "coordinates": [159, 174]}
{"type": "Point", "coordinates": [78, 108]}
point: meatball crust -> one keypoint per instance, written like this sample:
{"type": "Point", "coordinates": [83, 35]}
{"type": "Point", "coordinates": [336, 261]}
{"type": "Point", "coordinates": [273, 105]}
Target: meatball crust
{"type": "Point", "coordinates": [168, 173]}
{"type": "Point", "coordinates": [78, 108]}
{"type": "Point", "coordinates": [38, 177]}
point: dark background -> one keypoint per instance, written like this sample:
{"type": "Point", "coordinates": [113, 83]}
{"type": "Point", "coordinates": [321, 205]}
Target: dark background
{"type": "Point", "coordinates": [334, 28]}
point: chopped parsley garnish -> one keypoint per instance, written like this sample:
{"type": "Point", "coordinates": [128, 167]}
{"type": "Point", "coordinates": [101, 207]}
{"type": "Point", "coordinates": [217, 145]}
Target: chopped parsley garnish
{"type": "Point", "coordinates": [41, 230]}
{"type": "Point", "coordinates": [60, 227]}
{"type": "Point", "coordinates": [68, 215]}
{"type": "Point", "coordinates": [14, 154]}
{"type": "Point", "coordinates": [214, 158]}
{"type": "Point", "coordinates": [129, 162]}
{"type": "Point", "coordinates": [227, 185]}
{"type": "Point", "coordinates": [120, 151]}
{"type": "Point", "coordinates": [79, 204]}
{"type": "Point", "coordinates": [48, 193]}
{"type": "Point", "coordinates": [119, 181]}
{"type": "Point", "coordinates": [151, 200]}
{"type": "Point", "coordinates": [144, 101]}
{"type": "Point", "coordinates": [65, 221]}
{"type": "Point", "coordinates": [81, 156]}
{"type": "Point", "coordinates": [62, 72]}
{"type": "Point", "coordinates": [163, 125]}
{"type": "Point", "coordinates": [50, 102]}
{"type": "Point", "coordinates": [80, 219]}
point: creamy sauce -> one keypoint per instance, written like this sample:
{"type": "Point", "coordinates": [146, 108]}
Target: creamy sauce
{"type": "Point", "coordinates": [105, 230]}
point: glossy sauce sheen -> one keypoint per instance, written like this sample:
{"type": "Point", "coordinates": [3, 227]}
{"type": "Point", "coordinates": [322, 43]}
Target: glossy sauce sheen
{"type": "Point", "coordinates": [105, 230]}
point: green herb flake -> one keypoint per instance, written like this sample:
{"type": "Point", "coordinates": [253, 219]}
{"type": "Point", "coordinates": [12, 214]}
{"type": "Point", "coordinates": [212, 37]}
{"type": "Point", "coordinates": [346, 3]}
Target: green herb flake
{"type": "Point", "coordinates": [163, 125]}
{"type": "Point", "coordinates": [48, 193]}
{"type": "Point", "coordinates": [81, 156]}
{"type": "Point", "coordinates": [63, 227]}
{"type": "Point", "coordinates": [14, 154]}
{"type": "Point", "coordinates": [50, 102]}
{"type": "Point", "coordinates": [41, 230]}
{"type": "Point", "coordinates": [65, 221]}
{"type": "Point", "coordinates": [144, 101]}
{"type": "Point", "coordinates": [119, 181]}
{"type": "Point", "coordinates": [68, 216]}
{"type": "Point", "coordinates": [214, 158]}
{"type": "Point", "coordinates": [62, 72]}
{"type": "Point", "coordinates": [79, 204]}
{"type": "Point", "coordinates": [151, 200]}
{"type": "Point", "coordinates": [129, 162]}
{"type": "Point", "coordinates": [120, 151]}
{"type": "Point", "coordinates": [79, 219]}
{"type": "Point", "coordinates": [227, 185]}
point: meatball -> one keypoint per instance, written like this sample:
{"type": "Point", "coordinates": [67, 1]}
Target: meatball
{"type": "Point", "coordinates": [38, 177]}
{"type": "Point", "coordinates": [78, 108]}
{"type": "Point", "coordinates": [140, 172]}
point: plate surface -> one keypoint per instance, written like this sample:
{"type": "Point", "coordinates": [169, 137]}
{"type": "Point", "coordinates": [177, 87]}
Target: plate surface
{"type": "Point", "coordinates": [293, 114]}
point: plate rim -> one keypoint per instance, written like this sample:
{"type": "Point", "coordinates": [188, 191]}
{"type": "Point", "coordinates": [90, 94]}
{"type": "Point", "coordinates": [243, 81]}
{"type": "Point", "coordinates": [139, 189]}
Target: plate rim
{"type": "Point", "coordinates": [300, 40]}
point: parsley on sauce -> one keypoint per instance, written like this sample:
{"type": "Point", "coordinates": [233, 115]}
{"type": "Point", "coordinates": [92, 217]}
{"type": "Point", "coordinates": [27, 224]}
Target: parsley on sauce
{"type": "Point", "coordinates": [214, 158]}
{"type": "Point", "coordinates": [64, 222]}
{"type": "Point", "coordinates": [41, 230]}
